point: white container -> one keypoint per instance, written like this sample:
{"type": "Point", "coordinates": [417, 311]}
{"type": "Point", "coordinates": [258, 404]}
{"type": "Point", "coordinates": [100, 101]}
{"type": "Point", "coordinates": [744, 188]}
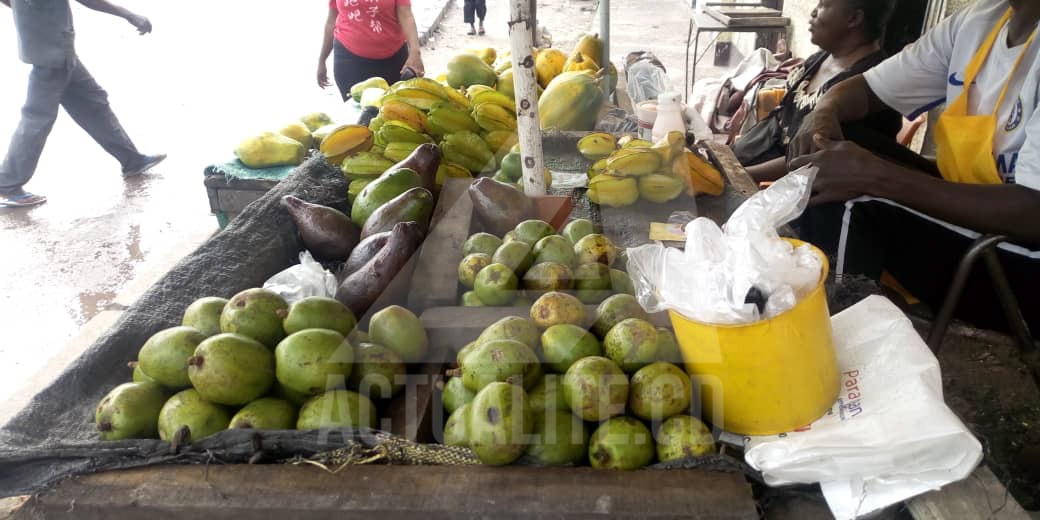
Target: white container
{"type": "Point", "coordinates": [646, 114]}
{"type": "Point", "coordinates": [669, 116]}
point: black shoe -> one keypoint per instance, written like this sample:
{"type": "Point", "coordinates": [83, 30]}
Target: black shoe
{"type": "Point", "coordinates": [148, 162]}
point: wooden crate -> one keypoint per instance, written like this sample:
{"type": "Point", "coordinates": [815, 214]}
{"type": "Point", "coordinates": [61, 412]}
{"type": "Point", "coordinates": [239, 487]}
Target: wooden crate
{"type": "Point", "coordinates": [227, 197]}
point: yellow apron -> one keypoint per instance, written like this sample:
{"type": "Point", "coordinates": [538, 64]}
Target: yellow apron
{"type": "Point", "coordinates": [965, 142]}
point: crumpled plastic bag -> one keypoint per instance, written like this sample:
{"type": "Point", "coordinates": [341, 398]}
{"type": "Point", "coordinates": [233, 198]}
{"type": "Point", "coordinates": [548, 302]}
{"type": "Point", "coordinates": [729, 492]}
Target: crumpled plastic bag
{"type": "Point", "coordinates": [889, 436]}
{"type": "Point", "coordinates": [716, 278]}
{"type": "Point", "coordinates": [305, 279]}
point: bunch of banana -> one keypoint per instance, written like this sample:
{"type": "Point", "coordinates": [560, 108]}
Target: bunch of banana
{"type": "Point", "coordinates": [366, 165]}
{"type": "Point", "coordinates": [468, 150]}
{"type": "Point", "coordinates": [447, 118]}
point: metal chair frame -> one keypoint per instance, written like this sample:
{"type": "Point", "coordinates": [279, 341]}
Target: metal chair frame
{"type": "Point", "coordinates": [984, 247]}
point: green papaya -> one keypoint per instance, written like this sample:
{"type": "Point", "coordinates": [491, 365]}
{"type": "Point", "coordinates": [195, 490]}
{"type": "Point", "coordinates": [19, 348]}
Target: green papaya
{"type": "Point", "coordinates": [468, 69]}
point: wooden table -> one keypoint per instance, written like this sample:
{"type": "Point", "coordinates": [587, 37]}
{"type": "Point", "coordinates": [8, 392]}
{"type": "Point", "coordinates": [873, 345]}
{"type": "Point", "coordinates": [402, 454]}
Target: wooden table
{"type": "Point", "coordinates": [701, 22]}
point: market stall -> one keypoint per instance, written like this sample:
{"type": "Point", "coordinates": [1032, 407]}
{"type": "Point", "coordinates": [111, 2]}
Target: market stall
{"type": "Point", "coordinates": [434, 313]}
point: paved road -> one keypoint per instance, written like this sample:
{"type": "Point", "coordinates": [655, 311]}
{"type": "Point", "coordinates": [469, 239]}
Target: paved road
{"type": "Point", "coordinates": [202, 81]}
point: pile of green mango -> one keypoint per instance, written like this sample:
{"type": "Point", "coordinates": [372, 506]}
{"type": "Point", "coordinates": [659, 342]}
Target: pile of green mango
{"type": "Point", "coordinates": [533, 259]}
{"type": "Point", "coordinates": [255, 361]}
{"type": "Point", "coordinates": [551, 391]}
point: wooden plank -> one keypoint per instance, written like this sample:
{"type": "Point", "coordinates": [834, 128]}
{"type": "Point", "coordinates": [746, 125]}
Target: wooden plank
{"type": "Point", "coordinates": [728, 164]}
{"type": "Point", "coordinates": [244, 491]}
{"type": "Point", "coordinates": [747, 18]}
{"type": "Point", "coordinates": [435, 281]}
{"type": "Point", "coordinates": [451, 328]}
{"type": "Point", "coordinates": [408, 414]}
{"type": "Point", "coordinates": [979, 496]}
{"type": "Point", "coordinates": [234, 201]}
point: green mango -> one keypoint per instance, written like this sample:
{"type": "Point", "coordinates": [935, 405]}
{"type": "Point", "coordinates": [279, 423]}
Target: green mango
{"type": "Point", "coordinates": [565, 344]}
{"type": "Point", "coordinates": [337, 409]}
{"type": "Point", "coordinates": [501, 360]}
{"type": "Point", "coordinates": [455, 427]}
{"type": "Point", "coordinates": [621, 443]}
{"type": "Point", "coordinates": [499, 423]}
{"type": "Point", "coordinates": [512, 168]}
{"type": "Point", "coordinates": [558, 438]}
{"type": "Point", "coordinates": [130, 411]}
{"type": "Point", "coordinates": [268, 413]}
{"type": "Point", "coordinates": [380, 191]}
{"type": "Point", "coordinates": [455, 395]}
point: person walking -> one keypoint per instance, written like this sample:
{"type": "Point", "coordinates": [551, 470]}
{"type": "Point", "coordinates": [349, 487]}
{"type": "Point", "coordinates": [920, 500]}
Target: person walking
{"type": "Point", "coordinates": [58, 78]}
{"type": "Point", "coordinates": [474, 7]}
{"type": "Point", "coordinates": [369, 39]}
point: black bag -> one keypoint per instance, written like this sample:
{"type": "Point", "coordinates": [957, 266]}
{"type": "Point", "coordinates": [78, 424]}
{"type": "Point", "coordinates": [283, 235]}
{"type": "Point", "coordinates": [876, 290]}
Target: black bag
{"type": "Point", "coordinates": [764, 142]}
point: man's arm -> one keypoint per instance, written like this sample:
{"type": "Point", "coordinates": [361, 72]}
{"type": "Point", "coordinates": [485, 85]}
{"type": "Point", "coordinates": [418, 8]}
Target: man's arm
{"type": "Point", "coordinates": [850, 100]}
{"type": "Point", "coordinates": [848, 171]}
{"type": "Point", "coordinates": [104, 6]}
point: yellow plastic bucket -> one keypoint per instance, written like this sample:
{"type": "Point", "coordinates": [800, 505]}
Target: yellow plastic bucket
{"type": "Point", "coordinates": [768, 377]}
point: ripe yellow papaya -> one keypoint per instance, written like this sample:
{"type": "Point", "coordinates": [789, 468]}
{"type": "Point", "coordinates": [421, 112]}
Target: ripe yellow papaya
{"type": "Point", "coordinates": [592, 46]}
{"type": "Point", "coordinates": [548, 65]}
{"type": "Point", "coordinates": [579, 61]}
{"type": "Point", "coordinates": [571, 102]}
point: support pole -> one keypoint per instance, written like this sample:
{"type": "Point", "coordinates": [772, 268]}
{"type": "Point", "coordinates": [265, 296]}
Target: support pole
{"type": "Point", "coordinates": [521, 30]}
{"type": "Point", "coordinates": [604, 34]}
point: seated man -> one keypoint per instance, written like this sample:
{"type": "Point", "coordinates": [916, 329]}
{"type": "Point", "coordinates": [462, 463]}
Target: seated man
{"type": "Point", "coordinates": [983, 62]}
{"type": "Point", "coordinates": [848, 33]}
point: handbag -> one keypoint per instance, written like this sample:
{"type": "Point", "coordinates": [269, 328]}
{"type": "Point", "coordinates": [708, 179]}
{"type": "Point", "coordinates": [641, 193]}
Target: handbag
{"type": "Point", "coordinates": [762, 143]}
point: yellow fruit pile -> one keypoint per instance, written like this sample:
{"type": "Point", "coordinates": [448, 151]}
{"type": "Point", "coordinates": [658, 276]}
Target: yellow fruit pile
{"type": "Point", "coordinates": [625, 170]}
{"type": "Point", "coordinates": [288, 146]}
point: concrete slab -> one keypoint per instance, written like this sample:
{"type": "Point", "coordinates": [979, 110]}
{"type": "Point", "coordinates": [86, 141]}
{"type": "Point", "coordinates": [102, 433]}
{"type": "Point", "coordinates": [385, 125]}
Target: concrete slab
{"type": "Point", "coordinates": [86, 336]}
{"type": "Point", "coordinates": [428, 16]}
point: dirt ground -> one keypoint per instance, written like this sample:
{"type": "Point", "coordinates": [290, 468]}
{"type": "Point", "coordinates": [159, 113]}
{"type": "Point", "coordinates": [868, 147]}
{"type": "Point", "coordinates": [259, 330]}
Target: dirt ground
{"type": "Point", "coordinates": [993, 391]}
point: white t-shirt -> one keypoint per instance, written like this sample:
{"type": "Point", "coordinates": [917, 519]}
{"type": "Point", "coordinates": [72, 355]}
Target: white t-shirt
{"type": "Point", "coordinates": [931, 72]}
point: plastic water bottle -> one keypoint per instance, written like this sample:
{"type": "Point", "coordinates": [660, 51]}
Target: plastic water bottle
{"type": "Point", "coordinates": [669, 116]}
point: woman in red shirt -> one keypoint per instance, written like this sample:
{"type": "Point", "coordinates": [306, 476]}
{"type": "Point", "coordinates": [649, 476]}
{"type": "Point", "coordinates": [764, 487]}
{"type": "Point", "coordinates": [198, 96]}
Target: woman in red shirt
{"type": "Point", "coordinates": [371, 38]}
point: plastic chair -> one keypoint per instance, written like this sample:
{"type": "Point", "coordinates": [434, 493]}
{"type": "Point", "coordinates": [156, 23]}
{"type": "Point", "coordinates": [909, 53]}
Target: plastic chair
{"type": "Point", "coordinates": [984, 247]}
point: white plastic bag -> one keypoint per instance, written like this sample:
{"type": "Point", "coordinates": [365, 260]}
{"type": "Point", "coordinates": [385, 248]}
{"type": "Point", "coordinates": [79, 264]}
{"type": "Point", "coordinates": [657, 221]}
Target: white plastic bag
{"type": "Point", "coordinates": [711, 280]}
{"type": "Point", "coordinates": [307, 278]}
{"type": "Point", "coordinates": [890, 436]}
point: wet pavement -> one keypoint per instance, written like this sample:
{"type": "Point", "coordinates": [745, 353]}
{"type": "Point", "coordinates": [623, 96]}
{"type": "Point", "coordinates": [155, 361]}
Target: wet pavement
{"type": "Point", "coordinates": [202, 81]}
